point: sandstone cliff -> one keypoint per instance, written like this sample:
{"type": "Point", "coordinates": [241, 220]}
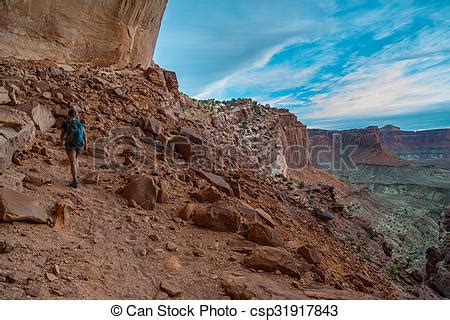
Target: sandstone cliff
{"type": "Point", "coordinates": [416, 145]}
{"type": "Point", "coordinates": [356, 146]}
{"type": "Point", "coordinates": [107, 32]}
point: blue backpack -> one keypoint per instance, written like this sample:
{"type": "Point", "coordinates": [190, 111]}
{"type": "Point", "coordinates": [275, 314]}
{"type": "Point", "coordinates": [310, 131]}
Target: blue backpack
{"type": "Point", "coordinates": [74, 133]}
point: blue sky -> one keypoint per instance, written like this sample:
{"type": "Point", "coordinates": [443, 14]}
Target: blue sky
{"type": "Point", "coordinates": [336, 64]}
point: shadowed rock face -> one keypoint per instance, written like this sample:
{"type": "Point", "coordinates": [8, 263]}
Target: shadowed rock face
{"type": "Point", "coordinates": [416, 145]}
{"type": "Point", "coordinates": [366, 144]}
{"type": "Point", "coordinates": [106, 32]}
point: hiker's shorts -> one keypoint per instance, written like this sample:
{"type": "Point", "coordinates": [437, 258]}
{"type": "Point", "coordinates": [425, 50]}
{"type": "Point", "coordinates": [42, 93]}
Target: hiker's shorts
{"type": "Point", "coordinates": [77, 149]}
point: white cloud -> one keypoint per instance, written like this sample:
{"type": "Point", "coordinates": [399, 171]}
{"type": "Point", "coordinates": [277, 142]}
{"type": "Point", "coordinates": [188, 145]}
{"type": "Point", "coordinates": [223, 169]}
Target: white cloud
{"type": "Point", "coordinates": [384, 89]}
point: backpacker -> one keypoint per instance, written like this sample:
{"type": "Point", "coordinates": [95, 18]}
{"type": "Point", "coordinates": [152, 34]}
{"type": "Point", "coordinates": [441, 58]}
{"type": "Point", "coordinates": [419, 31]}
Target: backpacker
{"type": "Point", "coordinates": [75, 133]}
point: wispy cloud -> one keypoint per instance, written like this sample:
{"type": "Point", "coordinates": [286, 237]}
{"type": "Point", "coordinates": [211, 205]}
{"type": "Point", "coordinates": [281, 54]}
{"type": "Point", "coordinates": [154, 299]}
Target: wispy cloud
{"type": "Point", "coordinates": [383, 89]}
{"type": "Point", "coordinates": [389, 58]}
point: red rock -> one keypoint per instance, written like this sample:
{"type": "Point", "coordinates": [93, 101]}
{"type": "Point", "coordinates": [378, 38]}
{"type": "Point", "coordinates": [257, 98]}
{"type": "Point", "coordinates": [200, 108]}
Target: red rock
{"type": "Point", "coordinates": [171, 288]}
{"type": "Point", "coordinates": [16, 206]}
{"type": "Point", "coordinates": [242, 246]}
{"type": "Point", "coordinates": [16, 130]}
{"type": "Point", "coordinates": [216, 181]}
{"type": "Point", "coordinates": [364, 279]}
{"type": "Point", "coordinates": [150, 126]}
{"type": "Point", "coordinates": [171, 80]}
{"type": "Point", "coordinates": [210, 194]}
{"type": "Point", "coordinates": [4, 96]}
{"type": "Point", "coordinates": [217, 218]}
{"type": "Point", "coordinates": [143, 190]}
{"type": "Point", "coordinates": [193, 136]}
{"type": "Point", "coordinates": [172, 264]}
{"type": "Point", "coordinates": [182, 146]}
{"type": "Point", "coordinates": [186, 212]}
{"type": "Point", "coordinates": [310, 254]}
{"type": "Point", "coordinates": [63, 208]}
{"type": "Point", "coordinates": [163, 196]}
{"type": "Point", "coordinates": [263, 235]}
{"type": "Point", "coordinates": [41, 116]}
{"type": "Point", "coordinates": [271, 259]}
{"type": "Point", "coordinates": [239, 285]}
{"type": "Point", "coordinates": [92, 177]}
{"type": "Point", "coordinates": [124, 33]}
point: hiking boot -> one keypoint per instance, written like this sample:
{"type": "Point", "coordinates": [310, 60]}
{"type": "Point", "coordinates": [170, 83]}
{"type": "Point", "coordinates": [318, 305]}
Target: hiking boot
{"type": "Point", "coordinates": [74, 184]}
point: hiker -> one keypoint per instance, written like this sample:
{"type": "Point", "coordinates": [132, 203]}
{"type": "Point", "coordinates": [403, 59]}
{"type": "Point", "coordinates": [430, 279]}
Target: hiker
{"type": "Point", "coordinates": [73, 136]}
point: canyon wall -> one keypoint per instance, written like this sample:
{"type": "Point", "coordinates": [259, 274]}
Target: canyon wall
{"type": "Point", "coordinates": [103, 32]}
{"type": "Point", "coordinates": [416, 145]}
{"type": "Point", "coordinates": [356, 146]}
{"type": "Point", "coordinates": [293, 137]}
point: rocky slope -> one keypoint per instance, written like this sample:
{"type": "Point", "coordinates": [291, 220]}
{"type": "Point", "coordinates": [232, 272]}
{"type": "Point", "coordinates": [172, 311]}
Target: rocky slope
{"type": "Point", "coordinates": [414, 192]}
{"type": "Point", "coordinates": [178, 198]}
{"type": "Point", "coordinates": [115, 32]}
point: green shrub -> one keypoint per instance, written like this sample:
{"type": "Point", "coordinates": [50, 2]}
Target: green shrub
{"type": "Point", "coordinates": [371, 232]}
{"type": "Point", "coordinates": [393, 268]}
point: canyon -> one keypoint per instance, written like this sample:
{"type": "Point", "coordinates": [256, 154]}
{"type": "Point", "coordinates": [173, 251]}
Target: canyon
{"type": "Point", "coordinates": [196, 199]}
{"type": "Point", "coordinates": [406, 170]}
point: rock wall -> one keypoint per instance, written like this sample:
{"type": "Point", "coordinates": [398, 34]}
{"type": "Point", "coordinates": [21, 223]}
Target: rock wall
{"type": "Point", "coordinates": [416, 145]}
{"type": "Point", "coordinates": [104, 32]}
{"type": "Point", "coordinates": [293, 136]}
{"type": "Point", "coordinates": [362, 146]}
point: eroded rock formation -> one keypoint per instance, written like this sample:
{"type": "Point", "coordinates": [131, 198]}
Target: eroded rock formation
{"type": "Point", "coordinates": [416, 145]}
{"type": "Point", "coordinates": [356, 146]}
{"type": "Point", "coordinates": [110, 32]}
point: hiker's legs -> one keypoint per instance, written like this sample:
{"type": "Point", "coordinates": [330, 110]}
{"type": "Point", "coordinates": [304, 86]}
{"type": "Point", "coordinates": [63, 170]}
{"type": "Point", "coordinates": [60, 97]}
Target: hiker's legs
{"type": "Point", "coordinates": [78, 152]}
{"type": "Point", "coordinates": [72, 156]}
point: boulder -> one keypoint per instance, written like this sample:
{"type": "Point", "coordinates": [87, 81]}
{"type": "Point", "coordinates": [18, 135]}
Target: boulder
{"type": "Point", "coordinates": [12, 180]}
{"type": "Point", "coordinates": [16, 129]}
{"type": "Point", "coordinates": [186, 212]}
{"type": "Point", "coordinates": [193, 136]}
{"type": "Point", "coordinates": [182, 146]}
{"type": "Point", "coordinates": [150, 126]}
{"type": "Point", "coordinates": [171, 80]}
{"type": "Point", "coordinates": [41, 116]}
{"type": "Point", "coordinates": [216, 181]}
{"type": "Point", "coordinates": [310, 254]}
{"type": "Point", "coordinates": [272, 259]}
{"type": "Point", "coordinates": [156, 76]}
{"type": "Point", "coordinates": [210, 194]}
{"type": "Point", "coordinates": [242, 246]}
{"type": "Point", "coordinates": [142, 190]}
{"type": "Point", "coordinates": [217, 218]}
{"type": "Point", "coordinates": [264, 235]}
{"type": "Point", "coordinates": [253, 215]}
{"type": "Point", "coordinates": [16, 206]}
{"type": "Point", "coordinates": [163, 195]}
{"type": "Point", "coordinates": [323, 215]}
{"type": "Point", "coordinates": [241, 285]}
{"type": "Point", "coordinates": [4, 96]}
{"type": "Point", "coordinates": [92, 177]}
